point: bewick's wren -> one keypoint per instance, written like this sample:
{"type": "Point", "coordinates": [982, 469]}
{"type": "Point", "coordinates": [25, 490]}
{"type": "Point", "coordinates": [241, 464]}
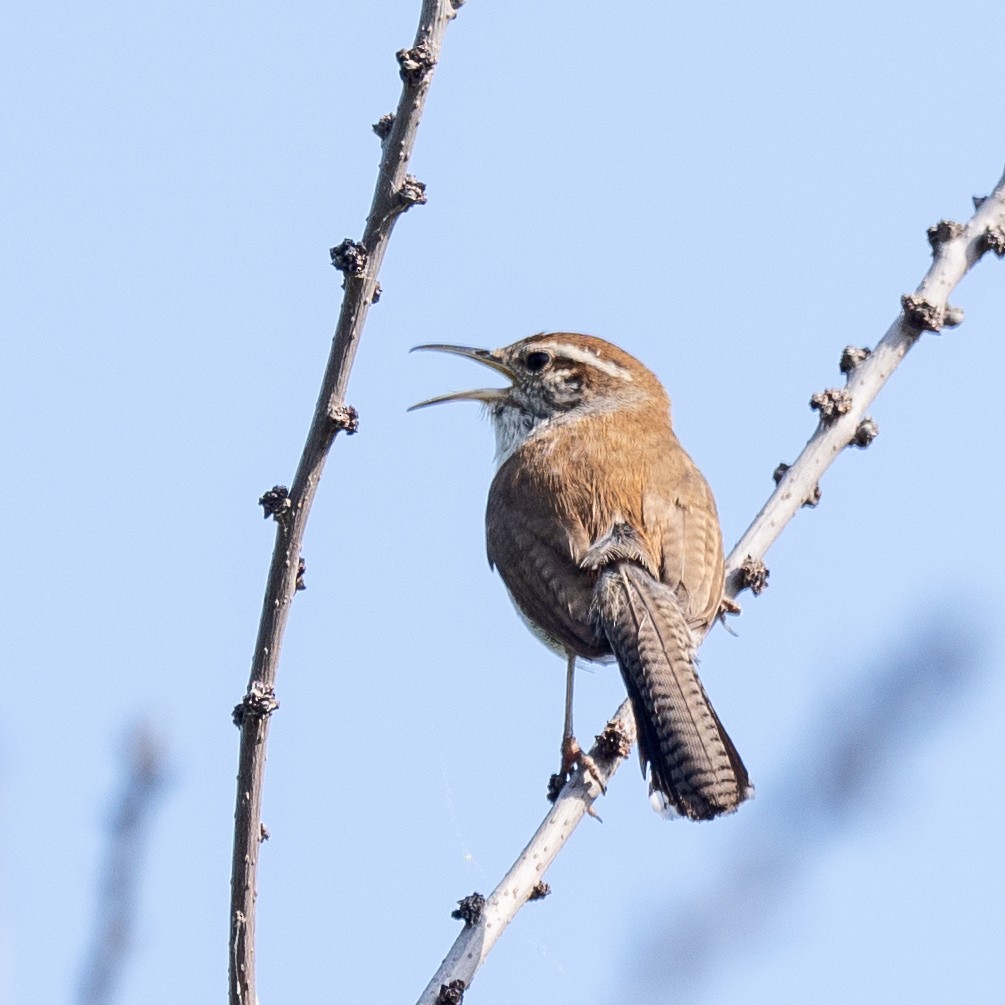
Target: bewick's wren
{"type": "Point", "coordinates": [607, 538]}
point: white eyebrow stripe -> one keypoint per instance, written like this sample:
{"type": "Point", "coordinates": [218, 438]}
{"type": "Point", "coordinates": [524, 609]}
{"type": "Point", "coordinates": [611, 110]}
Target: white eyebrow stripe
{"type": "Point", "coordinates": [584, 356]}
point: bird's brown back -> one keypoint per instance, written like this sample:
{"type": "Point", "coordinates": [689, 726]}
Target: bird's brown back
{"type": "Point", "coordinates": [572, 483]}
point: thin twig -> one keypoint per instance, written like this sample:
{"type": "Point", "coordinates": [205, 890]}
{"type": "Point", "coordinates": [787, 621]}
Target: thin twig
{"type": "Point", "coordinates": [843, 423]}
{"type": "Point", "coordinates": [360, 263]}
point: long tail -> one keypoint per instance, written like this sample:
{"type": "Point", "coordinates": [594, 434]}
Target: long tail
{"type": "Point", "coordinates": [695, 769]}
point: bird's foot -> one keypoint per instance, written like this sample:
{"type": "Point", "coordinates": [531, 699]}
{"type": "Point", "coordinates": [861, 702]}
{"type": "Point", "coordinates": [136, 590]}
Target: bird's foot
{"type": "Point", "coordinates": [574, 758]}
{"type": "Point", "coordinates": [727, 607]}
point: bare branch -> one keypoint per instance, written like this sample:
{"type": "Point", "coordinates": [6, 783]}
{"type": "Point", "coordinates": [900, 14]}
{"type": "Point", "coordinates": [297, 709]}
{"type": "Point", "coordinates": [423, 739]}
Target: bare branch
{"type": "Point", "coordinates": [843, 422]}
{"type": "Point", "coordinates": [926, 309]}
{"type": "Point", "coordinates": [524, 879]}
{"type": "Point", "coordinates": [394, 193]}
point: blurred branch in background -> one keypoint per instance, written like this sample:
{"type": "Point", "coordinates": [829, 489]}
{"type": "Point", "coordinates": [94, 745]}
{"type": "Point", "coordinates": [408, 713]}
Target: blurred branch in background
{"type": "Point", "coordinates": [143, 764]}
{"type": "Point", "coordinates": [837, 771]}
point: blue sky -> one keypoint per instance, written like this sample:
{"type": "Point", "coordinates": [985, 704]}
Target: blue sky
{"type": "Point", "coordinates": [732, 194]}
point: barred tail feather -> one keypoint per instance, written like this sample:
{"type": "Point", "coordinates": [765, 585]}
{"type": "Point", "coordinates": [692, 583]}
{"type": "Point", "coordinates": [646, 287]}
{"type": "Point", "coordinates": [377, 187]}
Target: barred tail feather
{"type": "Point", "coordinates": [694, 768]}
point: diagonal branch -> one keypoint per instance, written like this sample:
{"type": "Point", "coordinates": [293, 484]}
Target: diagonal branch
{"type": "Point", "coordinates": [360, 263]}
{"type": "Point", "coordinates": [843, 420]}
{"type": "Point", "coordinates": [843, 423]}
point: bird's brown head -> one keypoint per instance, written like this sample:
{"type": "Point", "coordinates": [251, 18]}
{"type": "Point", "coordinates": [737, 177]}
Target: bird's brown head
{"type": "Point", "coordinates": [554, 375]}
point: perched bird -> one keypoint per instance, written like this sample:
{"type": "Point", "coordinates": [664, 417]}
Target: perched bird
{"type": "Point", "coordinates": [607, 538]}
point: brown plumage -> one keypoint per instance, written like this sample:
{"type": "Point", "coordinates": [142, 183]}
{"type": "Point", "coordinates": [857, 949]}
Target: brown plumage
{"type": "Point", "coordinates": [607, 538]}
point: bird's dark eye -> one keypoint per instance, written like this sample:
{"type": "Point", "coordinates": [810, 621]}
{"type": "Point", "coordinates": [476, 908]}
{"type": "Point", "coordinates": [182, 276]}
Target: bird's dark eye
{"type": "Point", "coordinates": [537, 361]}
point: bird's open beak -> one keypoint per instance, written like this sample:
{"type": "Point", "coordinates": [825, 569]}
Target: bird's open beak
{"type": "Point", "coordinates": [484, 394]}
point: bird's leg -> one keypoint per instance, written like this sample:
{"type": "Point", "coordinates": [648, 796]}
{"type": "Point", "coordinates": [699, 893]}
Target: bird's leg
{"type": "Point", "coordinates": [570, 746]}
{"type": "Point", "coordinates": [573, 755]}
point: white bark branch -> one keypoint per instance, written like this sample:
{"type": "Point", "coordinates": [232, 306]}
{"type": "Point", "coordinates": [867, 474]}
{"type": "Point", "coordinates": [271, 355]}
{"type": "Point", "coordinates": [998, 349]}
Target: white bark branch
{"type": "Point", "coordinates": [476, 940]}
{"type": "Point", "coordinates": [843, 411]}
{"type": "Point", "coordinates": [955, 250]}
